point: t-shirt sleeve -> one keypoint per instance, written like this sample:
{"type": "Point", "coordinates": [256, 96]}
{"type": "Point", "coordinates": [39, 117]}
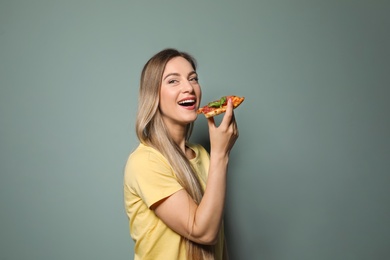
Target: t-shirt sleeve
{"type": "Point", "coordinates": [151, 177]}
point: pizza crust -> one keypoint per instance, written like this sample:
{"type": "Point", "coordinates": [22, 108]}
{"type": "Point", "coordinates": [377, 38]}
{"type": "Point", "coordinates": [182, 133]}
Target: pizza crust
{"type": "Point", "coordinates": [215, 112]}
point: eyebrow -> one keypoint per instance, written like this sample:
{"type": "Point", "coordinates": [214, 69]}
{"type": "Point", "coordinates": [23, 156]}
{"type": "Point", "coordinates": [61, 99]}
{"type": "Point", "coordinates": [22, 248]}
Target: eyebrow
{"type": "Point", "coordinates": [177, 74]}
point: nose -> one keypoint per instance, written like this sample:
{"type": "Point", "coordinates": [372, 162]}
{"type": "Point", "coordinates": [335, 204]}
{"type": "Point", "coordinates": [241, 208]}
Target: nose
{"type": "Point", "coordinates": [187, 86]}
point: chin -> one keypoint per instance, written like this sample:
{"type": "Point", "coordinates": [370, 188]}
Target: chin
{"type": "Point", "coordinates": [191, 119]}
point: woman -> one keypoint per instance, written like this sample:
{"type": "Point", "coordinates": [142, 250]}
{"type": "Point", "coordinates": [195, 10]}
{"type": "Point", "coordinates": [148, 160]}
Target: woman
{"type": "Point", "coordinates": [172, 213]}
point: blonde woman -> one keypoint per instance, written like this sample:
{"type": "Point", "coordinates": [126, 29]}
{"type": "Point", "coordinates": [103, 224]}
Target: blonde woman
{"type": "Point", "coordinates": [174, 191]}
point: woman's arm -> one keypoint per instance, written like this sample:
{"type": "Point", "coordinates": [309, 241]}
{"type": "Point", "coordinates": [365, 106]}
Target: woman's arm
{"type": "Point", "coordinates": [201, 223]}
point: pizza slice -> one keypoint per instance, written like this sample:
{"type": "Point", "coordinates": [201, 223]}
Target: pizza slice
{"type": "Point", "coordinates": [219, 106]}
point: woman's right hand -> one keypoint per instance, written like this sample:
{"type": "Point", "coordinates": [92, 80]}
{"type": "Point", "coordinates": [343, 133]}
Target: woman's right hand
{"type": "Point", "coordinates": [223, 137]}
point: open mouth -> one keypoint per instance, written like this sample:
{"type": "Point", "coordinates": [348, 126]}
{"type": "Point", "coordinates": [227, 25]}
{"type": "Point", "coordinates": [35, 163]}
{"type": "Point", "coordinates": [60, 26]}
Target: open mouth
{"type": "Point", "coordinates": [187, 102]}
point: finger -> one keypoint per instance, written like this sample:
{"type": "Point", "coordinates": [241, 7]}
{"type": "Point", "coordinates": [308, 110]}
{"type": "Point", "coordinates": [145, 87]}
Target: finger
{"type": "Point", "coordinates": [234, 125]}
{"type": "Point", "coordinates": [229, 113]}
{"type": "Point", "coordinates": [235, 129]}
{"type": "Point", "coordinates": [236, 132]}
{"type": "Point", "coordinates": [211, 122]}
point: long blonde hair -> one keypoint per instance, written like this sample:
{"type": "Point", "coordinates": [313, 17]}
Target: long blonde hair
{"type": "Point", "coordinates": [152, 131]}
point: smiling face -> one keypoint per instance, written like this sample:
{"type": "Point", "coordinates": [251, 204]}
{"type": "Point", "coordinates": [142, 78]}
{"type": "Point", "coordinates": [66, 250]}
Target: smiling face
{"type": "Point", "coordinates": [180, 93]}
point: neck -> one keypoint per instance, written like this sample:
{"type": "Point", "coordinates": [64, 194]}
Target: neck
{"type": "Point", "coordinates": [178, 134]}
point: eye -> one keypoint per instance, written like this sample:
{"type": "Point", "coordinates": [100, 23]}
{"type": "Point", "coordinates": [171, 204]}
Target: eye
{"type": "Point", "coordinates": [172, 81]}
{"type": "Point", "coordinates": [195, 79]}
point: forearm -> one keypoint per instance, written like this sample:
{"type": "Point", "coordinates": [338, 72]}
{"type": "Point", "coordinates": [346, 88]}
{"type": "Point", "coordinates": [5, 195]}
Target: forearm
{"type": "Point", "coordinates": [209, 213]}
{"type": "Point", "coordinates": [198, 222]}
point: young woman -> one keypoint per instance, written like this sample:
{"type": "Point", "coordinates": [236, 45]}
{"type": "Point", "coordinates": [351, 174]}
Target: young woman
{"type": "Point", "coordinates": [175, 191]}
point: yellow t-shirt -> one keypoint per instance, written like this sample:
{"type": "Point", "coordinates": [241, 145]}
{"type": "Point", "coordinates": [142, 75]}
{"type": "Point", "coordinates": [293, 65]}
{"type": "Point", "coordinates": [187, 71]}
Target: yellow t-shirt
{"type": "Point", "coordinates": [148, 179]}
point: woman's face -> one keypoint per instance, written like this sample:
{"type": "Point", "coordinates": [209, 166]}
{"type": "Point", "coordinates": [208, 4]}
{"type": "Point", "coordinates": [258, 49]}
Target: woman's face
{"type": "Point", "coordinates": [180, 92]}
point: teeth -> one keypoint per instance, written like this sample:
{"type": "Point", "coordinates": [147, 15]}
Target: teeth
{"type": "Point", "coordinates": [187, 101]}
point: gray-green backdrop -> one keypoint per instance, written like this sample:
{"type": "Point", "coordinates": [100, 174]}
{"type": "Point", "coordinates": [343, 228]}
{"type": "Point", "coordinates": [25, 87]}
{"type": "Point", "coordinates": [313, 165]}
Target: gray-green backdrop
{"type": "Point", "coordinates": [309, 175]}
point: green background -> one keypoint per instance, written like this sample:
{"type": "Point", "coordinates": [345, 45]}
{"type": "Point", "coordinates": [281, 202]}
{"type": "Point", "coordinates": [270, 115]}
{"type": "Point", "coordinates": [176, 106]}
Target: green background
{"type": "Point", "coordinates": [309, 175]}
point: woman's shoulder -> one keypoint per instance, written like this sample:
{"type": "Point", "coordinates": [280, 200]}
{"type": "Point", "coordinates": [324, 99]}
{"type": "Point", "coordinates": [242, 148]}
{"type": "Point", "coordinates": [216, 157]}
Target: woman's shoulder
{"type": "Point", "coordinates": [145, 152]}
{"type": "Point", "coordinates": [145, 159]}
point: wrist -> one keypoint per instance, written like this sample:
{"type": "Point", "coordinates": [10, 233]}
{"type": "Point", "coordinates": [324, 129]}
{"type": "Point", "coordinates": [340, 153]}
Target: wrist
{"type": "Point", "coordinates": [220, 158]}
